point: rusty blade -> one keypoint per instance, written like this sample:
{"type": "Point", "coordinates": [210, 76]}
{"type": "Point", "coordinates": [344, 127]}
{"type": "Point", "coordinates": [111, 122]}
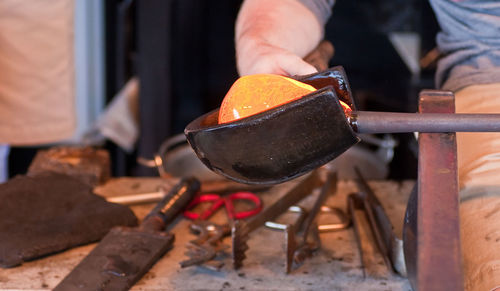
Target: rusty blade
{"type": "Point", "coordinates": [239, 238]}
{"type": "Point", "coordinates": [241, 229]}
{"type": "Point", "coordinates": [126, 254]}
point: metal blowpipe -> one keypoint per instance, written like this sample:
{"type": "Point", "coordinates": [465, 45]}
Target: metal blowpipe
{"type": "Point", "coordinates": [393, 122]}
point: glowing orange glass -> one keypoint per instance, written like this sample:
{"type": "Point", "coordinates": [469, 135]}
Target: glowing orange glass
{"type": "Point", "coordinates": [253, 94]}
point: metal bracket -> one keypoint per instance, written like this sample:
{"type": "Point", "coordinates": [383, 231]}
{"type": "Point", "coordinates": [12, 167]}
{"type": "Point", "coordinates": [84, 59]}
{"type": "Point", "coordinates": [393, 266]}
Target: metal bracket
{"type": "Point", "coordinates": [432, 225]}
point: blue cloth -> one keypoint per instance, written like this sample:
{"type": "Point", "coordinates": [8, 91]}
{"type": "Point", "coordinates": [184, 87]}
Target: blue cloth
{"type": "Point", "coordinates": [321, 8]}
{"type": "Point", "coordinates": [469, 40]}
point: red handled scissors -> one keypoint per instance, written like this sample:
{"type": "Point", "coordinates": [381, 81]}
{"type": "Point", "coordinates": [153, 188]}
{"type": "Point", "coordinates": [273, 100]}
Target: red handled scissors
{"type": "Point", "coordinates": [227, 201]}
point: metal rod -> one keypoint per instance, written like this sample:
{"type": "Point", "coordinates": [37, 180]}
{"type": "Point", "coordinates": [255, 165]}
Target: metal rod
{"type": "Point", "coordinates": [331, 182]}
{"type": "Point", "coordinates": [392, 122]}
{"type": "Point", "coordinates": [133, 199]}
{"type": "Point", "coordinates": [301, 190]}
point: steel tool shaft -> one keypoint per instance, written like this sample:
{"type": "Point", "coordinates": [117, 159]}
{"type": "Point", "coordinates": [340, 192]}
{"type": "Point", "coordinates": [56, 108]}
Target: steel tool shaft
{"type": "Point", "coordinates": [329, 187]}
{"type": "Point", "coordinates": [389, 244]}
{"type": "Point", "coordinates": [305, 249]}
{"type": "Point", "coordinates": [287, 141]}
{"type": "Point", "coordinates": [392, 122]}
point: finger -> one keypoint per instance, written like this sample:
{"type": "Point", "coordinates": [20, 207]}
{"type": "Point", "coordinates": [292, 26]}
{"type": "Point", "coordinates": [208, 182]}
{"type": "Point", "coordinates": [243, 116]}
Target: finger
{"type": "Point", "coordinates": [262, 66]}
{"type": "Point", "coordinates": [294, 65]}
{"type": "Point", "coordinates": [320, 57]}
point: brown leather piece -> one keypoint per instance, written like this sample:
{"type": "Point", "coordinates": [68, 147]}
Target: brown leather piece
{"type": "Point", "coordinates": [49, 213]}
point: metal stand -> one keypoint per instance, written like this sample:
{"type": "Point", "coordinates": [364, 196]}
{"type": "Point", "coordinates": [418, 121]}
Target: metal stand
{"type": "Point", "coordinates": [432, 227]}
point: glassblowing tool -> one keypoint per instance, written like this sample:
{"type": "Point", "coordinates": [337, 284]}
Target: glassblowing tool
{"type": "Point", "coordinates": [242, 228]}
{"type": "Point", "coordinates": [388, 243]}
{"type": "Point", "coordinates": [281, 143]}
{"type": "Point", "coordinates": [304, 249]}
{"type": "Point", "coordinates": [291, 229]}
{"type": "Point", "coordinates": [125, 254]}
{"type": "Point", "coordinates": [203, 251]}
{"type": "Point", "coordinates": [292, 139]}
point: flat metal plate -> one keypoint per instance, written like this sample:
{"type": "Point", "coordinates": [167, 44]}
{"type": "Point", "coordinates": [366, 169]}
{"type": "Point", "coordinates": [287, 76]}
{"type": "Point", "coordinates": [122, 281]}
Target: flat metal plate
{"type": "Point", "coordinates": [118, 261]}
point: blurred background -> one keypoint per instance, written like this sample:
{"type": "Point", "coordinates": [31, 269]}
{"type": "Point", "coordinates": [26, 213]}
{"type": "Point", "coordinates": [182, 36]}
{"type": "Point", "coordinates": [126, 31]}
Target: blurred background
{"type": "Point", "coordinates": [182, 52]}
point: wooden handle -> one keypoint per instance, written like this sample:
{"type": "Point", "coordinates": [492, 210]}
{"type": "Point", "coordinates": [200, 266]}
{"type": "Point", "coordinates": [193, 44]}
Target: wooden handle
{"type": "Point", "coordinates": [171, 205]}
{"type": "Point", "coordinates": [320, 57]}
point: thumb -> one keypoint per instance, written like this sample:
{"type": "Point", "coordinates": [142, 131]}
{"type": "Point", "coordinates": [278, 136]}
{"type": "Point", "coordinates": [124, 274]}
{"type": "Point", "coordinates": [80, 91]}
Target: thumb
{"type": "Point", "coordinates": [294, 65]}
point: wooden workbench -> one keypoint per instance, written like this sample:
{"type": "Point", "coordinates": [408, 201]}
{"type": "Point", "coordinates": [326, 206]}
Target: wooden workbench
{"type": "Point", "coordinates": [336, 266]}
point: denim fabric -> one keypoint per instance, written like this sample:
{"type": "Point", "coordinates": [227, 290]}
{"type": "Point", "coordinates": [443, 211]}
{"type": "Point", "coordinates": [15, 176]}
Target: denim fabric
{"type": "Point", "coordinates": [470, 42]}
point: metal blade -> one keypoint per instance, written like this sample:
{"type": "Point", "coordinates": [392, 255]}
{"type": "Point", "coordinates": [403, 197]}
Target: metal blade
{"type": "Point", "coordinates": [118, 261]}
{"type": "Point", "coordinates": [125, 254]}
{"type": "Point", "coordinates": [241, 229]}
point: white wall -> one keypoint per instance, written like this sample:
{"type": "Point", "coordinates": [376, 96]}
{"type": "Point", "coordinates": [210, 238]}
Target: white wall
{"type": "Point", "coordinates": [89, 63]}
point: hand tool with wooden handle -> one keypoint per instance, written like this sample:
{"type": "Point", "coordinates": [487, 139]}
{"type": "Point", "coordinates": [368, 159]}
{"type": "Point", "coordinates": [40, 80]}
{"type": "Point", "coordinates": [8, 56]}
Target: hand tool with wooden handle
{"type": "Point", "coordinates": [321, 55]}
{"type": "Point", "coordinates": [125, 254]}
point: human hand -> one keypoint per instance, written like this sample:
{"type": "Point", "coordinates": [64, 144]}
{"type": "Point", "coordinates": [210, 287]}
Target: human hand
{"type": "Point", "coordinates": [274, 60]}
{"type": "Point", "coordinates": [263, 58]}
{"type": "Point", "coordinates": [273, 37]}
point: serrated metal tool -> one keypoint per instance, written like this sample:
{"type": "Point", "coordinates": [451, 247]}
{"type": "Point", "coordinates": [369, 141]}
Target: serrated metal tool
{"type": "Point", "coordinates": [241, 229]}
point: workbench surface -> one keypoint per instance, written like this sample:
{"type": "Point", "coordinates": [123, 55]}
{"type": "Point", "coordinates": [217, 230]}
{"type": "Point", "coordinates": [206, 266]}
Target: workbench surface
{"type": "Point", "coordinates": [336, 266]}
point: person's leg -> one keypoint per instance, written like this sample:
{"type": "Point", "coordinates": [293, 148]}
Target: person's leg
{"type": "Point", "coordinates": [479, 176]}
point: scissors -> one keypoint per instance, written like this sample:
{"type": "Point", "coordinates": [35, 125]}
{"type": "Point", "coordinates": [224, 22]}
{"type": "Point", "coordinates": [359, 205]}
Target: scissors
{"type": "Point", "coordinates": [228, 201]}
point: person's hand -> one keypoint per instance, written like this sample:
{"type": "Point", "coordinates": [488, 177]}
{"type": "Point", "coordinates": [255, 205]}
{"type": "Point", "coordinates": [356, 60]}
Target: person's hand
{"type": "Point", "coordinates": [274, 36]}
{"type": "Point", "coordinates": [254, 57]}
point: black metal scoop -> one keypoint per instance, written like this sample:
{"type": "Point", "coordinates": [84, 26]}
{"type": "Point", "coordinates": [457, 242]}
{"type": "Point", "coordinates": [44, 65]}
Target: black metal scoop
{"type": "Point", "coordinates": [290, 140]}
{"type": "Point", "coordinates": [282, 143]}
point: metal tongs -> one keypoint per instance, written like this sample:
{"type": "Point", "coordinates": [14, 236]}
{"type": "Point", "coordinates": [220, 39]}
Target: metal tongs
{"type": "Point", "coordinates": [302, 237]}
{"type": "Point", "coordinates": [388, 243]}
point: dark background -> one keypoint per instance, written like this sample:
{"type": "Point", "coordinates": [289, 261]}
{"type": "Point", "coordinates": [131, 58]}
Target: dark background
{"type": "Point", "coordinates": [183, 53]}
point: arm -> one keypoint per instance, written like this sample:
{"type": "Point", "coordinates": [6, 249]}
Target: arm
{"type": "Point", "coordinates": [274, 36]}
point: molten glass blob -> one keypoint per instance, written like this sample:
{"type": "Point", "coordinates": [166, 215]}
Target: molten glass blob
{"type": "Point", "coordinates": [254, 94]}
